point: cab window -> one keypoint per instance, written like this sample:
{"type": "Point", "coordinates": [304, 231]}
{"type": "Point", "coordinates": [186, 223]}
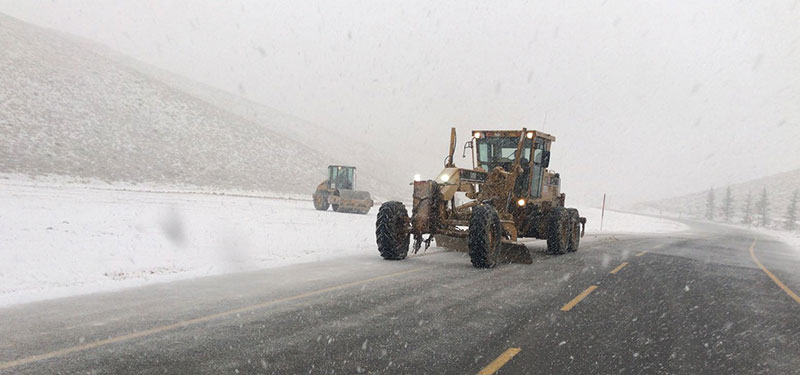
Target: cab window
{"type": "Point", "coordinates": [536, 177]}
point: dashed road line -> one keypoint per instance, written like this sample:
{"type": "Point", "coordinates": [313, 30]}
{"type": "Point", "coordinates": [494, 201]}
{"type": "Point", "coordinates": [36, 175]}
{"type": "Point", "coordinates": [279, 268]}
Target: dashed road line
{"type": "Point", "coordinates": [500, 361]}
{"type": "Point", "coordinates": [579, 298]}
{"type": "Point", "coordinates": [621, 266]}
{"type": "Point", "coordinates": [642, 253]}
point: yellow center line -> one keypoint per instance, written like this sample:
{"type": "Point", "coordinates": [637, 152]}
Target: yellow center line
{"type": "Point", "coordinates": [500, 361]}
{"type": "Point", "coordinates": [642, 253]}
{"type": "Point", "coordinates": [621, 266]}
{"type": "Point", "coordinates": [185, 323]}
{"type": "Point", "coordinates": [771, 276]}
{"type": "Point", "coordinates": [579, 298]}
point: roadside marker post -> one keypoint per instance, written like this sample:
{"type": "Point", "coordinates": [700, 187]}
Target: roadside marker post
{"type": "Point", "coordinates": [603, 212]}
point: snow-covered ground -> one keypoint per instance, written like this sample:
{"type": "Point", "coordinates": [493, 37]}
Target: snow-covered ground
{"type": "Point", "coordinates": [619, 222]}
{"type": "Point", "coordinates": [790, 238]}
{"type": "Point", "coordinates": [61, 240]}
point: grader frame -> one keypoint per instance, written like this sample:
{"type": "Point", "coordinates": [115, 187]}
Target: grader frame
{"type": "Point", "coordinates": [511, 195]}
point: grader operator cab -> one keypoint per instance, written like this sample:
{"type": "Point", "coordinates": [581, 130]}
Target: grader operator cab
{"type": "Point", "coordinates": [511, 195]}
{"type": "Point", "coordinates": [338, 191]}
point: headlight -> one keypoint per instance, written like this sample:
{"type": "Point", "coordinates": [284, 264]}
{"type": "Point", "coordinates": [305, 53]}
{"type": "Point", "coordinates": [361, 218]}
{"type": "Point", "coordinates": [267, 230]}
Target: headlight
{"type": "Point", "coordinates": [445, 177]}
{"type": "Point", "coordinates": [417, 177]}
{"type": "Point", "coordinates": [529, 135]}
{"type": "Point", "coordinates": [476, 134]}
{"type": "Point", "coordinates": [521, 202]}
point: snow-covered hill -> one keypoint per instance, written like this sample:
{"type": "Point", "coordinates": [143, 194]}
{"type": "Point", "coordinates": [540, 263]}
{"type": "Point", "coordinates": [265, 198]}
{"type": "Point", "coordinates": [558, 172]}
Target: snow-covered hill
{"type": "Point", "coordinates": [67, 108]}
{"type": "Point", "coordinates": [382, 168]}
{"type": "Point", "coordinates": [780, 188]}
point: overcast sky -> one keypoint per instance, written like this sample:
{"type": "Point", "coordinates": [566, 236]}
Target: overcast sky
{"type": "Point", "coordinates": [648, 99]}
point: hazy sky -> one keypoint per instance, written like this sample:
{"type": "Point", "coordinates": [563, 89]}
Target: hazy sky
{"type": "Point", "coordinates": [648, 99]}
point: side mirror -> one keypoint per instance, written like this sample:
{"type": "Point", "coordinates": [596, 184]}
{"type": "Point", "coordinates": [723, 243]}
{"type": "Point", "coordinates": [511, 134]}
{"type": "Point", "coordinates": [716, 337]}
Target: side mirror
{"type": "Point", "coordinates": [546, 159]}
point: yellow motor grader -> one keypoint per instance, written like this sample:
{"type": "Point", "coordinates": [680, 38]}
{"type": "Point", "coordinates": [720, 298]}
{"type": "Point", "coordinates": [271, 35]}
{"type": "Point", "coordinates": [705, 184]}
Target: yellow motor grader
{"type": "Point", "coordinates": [509, 194]}
{"type": "Point", "coordinates": [338, 191]}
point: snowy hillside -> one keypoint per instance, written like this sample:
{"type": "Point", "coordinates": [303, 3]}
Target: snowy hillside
{"type": "Point", "coordinates": [68, 110]}
{"type": "Point", "coordinates": [382, 168]}
{"type": "Point", "coordinates": [779, 192]}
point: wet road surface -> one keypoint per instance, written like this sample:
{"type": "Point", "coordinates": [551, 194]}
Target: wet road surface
{"type": "Point", "coordinates": [685, 303]}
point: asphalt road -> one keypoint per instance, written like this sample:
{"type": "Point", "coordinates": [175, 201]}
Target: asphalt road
{"type": "Point", "coordinates": [687, 303]}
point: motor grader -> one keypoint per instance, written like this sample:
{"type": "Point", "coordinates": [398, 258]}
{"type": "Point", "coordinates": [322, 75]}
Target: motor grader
{"type": "Point", "coordinates": [338, 191]}
{"type": "Point", "coordinates": [509, 193]}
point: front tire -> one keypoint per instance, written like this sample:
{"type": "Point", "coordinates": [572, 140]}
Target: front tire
{"type": "Point", "coordinates": [391, 231]}
{"type": "Point", "coordinates": [484, 236]}
{"type": "Point", "coordinates": [575, 230]}
{"type": "Point", "coordinates": [321, 201]}
{"type": "Point", "coordinates": [558, 231]}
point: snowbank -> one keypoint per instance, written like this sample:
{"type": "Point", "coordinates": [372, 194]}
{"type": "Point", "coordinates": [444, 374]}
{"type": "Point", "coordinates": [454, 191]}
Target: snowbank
{"type": "Point", "coordinates": [619, 222]}
{"type": "Point", "coordinates": [18, 180]}
{"type": "Point", "coordinates": [63, 241]}
{"type": "Point", "coordinates": [72, 239]}
{"type": "Point", "coordinates": [790, 238]}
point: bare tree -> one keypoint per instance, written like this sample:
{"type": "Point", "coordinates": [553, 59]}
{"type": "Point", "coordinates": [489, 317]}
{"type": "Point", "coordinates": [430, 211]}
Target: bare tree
{"type": "Point", "coordinates": [791, 213]}
{"type": "Point", "coordinates": [727, 205]}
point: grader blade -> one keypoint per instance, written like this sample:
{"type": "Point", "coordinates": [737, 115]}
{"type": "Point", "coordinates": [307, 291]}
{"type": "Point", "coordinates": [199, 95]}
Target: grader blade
{"type": "Point", "coordinates": [510, 252]}
{"type": "Point", "coordinates": [514, 252]}
{"type": "Point", "coordinates": [452, 243]}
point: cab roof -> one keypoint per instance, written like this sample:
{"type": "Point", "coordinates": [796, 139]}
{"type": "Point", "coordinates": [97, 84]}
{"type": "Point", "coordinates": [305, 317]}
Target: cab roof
{"type": "Point", "coordinates": [513, 133]}
{"type": "Point", "coordinates": [340, 166]}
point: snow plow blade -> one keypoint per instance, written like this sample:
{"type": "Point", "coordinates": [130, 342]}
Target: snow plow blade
{"type": "Point", "coordinates": [351, 201]}
{"type": "Point", "coordinates": [510, 252]}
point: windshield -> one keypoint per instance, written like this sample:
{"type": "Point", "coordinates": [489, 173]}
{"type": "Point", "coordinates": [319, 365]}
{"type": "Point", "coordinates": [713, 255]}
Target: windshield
{"type": "Point", "coordinates": [501, 152]}
{"type": "Point", "coordinates": [538, 168]}
{"type": "Point", "coordinates": [341, 178]}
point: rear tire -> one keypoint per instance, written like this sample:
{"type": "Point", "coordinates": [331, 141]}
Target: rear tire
{"type": "Point", "coordinates": [484, 236]}
{"type": "Point", "coordinates": [391, 231]}
{"type": "Point", "coordinates": [321, 201]}
{"type": "Point", "coordinates": [575, 229]}
{"type": "Point", "coordinates": [558, 231]}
